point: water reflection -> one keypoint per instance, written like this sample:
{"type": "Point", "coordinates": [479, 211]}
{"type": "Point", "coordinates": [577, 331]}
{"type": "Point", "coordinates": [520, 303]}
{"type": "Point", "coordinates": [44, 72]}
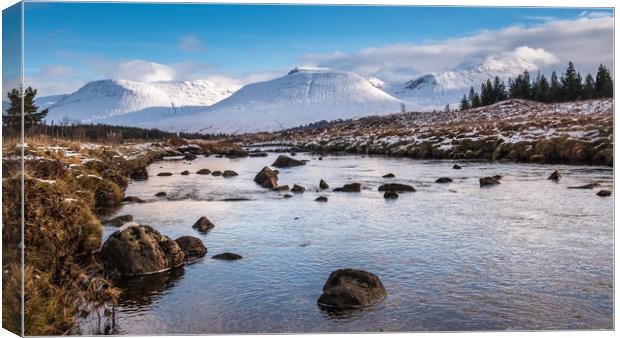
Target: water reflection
{"type": "Point", "coordinates": [141, 292]}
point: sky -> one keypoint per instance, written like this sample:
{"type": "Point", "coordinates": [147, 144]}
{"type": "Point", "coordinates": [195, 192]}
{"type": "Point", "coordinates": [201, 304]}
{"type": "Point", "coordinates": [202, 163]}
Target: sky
{"type": "Point", "coordinates": [69, 44]}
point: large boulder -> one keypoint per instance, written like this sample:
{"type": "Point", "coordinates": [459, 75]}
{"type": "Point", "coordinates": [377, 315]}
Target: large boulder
{"type": "Point", "coordinates": [351, 289]}
{"type": "Point", "coordinates": [191, 246]}
{"type": "Point", "coordinates": [203, 224]}
{"type": "Point", "coordinates": [397, 187]}
{"type": "Point", "coordinates": [284, 161]}
{"type": "Point", "coordinates": [351, 187]}
{"type": "Point", "coordinates": [267, 178]}
{"type": "Point", "coordinates": [139, 250]}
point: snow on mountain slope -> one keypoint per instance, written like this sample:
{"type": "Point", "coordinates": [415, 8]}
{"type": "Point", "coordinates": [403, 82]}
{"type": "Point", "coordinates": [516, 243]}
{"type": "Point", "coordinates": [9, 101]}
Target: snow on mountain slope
{"type": "Point", "coordinates": [435, 90]}
{"type": "Point", "coordinates": [303, 96]}
{"type": "Point", "coordinates": [105, 100]}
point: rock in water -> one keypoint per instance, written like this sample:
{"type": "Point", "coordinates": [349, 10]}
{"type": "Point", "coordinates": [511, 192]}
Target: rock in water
{"type": "Point", "coordinates": [139, 174]}
{"type": "Point", "coordinates": [456, 166]}
{"type": "Point", "coordinates": [161, 194]}
{"type": "Point", "coordinates": [323, 185]}
{"type": "Point", "coordinates": [390, 195]}
{"type": "Point", "coordinates": [587, 186]}
{"type": "Point", "coordinates": [555, 176]}
{"type": "Point", "coordinates": [321, 199]}
{"type": "Point", "coordinates": [185, 173]}
{"type": "Point", "coordinates": [298, 189]}
{"type": "Point", "coordinates": [191, 246]}
{"type": "Point", "coordinates": [287, 196]}
{"type": "Point", "coordinates": [443, 180]}
{"type": "Point", "coordinates": [604, 193]}
{"type": "Point", "coordinates": [284, 161]}
{"type": "Point", "coordinates": [229, 173]}
{"type": "Point", "coordinates": [139, 250]}
{"type": "Point", "coordinates": [227, 256]}
{"type": "Point", "coordinates": [485, 181]}
{"type": "Point", "coordinates": [267, 178]}
{"type": "Point", "coordinates": [189, 157]}
{"type": "Point", "coordinates": [164, 174]}
{"type": "Point", "coordinates": [351, 187]}
{"type": "Point", "coordinates": [398, 187]}
{"type": "Point", "coordinates": [133, 199]}
{"type": "Point", "coordinates": [281, 188]}
{"type": "Point", "coordinates": [390, 175]}
{"type": "Point", "coordinates": [216, 173]}
{"type": "Point", "coordinates": [119, 221]}
{"type": "Point", "coordinates": [351, 289]}
{"type": "Point", "coordinates": [203, 172]}
{"type": "Point", "coordinates": [203, 224]}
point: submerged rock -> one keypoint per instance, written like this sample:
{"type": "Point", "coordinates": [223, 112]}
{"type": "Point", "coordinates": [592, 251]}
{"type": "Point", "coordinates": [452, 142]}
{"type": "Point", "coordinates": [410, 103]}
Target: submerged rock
{"type": "Point", "coordinates": [185, 172]}
{"type": "Point", "coordinates": [267, 178]}
{"type": "Point", "coordinates": [398, 187]}
{"type": "Point", "coordinates": [351, 187]}
{"type": "Point", "coordinates": [139, 250]}
{"type": "Point", "coordinates": [321, 199]}
{"type": "Point", "coordinates": [258, 154]}
{"type": "Point", "coordinates": [139, 174]}
{"type": "Point", "coordinates": [164, 174]}
{"type": "Point", "coordinates": [284, 161]}
{"type": "Point", "coordinates": [443, 180]}
{"type": "Point", "coordinates": [323, 185]}
{"type": "Point", "coordinates": [203, 224]}
{"type": "Point", "coordinates": [456, 166]}
{"type": "Point", "coordinates": [281, 188]}
{"type": "Point", "coordinates": [604, 193]}
{"type": "Point", "coordinates": [119, 221]}
{"type": "Point", "coordinates": [216, 173]}
{"type": "Point", "coordinates": [192, 246]}
{"type": "Point", "coordinates": [555, 176]}
{"type": "Point", "coordinates": [390, 195]}
{"type": "Point", "coordinates": [229, 173]}
{"type": "Point", "coordinates": [390, 175]}
{"type": "Point", "coordinates": [227, 256]}
{"type": "Point", "coordinates": [287, 196]}
{"type": "Point", "coordinates": [485, 181]}
{"type": "Point", "coordinates": [203, 172]}
{"type": "Point", "coordinates": [133, 199]}
{"type": "Point", "coordinates": [161, 194]}
{"type": "Point", "coordinates": [351, 289]}
{"type": "Point", "coordinates": [298, 189]}
{"type": "Point", "coordinates": [587, 186]}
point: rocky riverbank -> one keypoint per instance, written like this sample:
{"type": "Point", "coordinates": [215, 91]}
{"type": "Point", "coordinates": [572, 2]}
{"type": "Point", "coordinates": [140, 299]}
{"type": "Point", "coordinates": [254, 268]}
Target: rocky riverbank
{"type": "Point", "coordinates": [69, 188]}
{"type": "Point", "coordinates": [517, 130]}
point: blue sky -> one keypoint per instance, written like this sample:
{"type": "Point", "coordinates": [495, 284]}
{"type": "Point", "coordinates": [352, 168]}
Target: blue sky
{"type": "Point", "coordinates": [67, 44]}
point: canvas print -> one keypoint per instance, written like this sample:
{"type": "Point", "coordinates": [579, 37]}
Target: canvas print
{"type": "Point", "coordinates": [230, 169]}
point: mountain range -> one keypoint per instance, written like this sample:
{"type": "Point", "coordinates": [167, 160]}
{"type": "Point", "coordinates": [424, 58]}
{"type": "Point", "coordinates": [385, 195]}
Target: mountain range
{"type": "Point", "coordinates": [303, 96]}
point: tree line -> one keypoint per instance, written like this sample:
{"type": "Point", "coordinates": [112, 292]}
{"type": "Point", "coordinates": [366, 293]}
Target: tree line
{"type": "Point", "coordinates": [570, 86]}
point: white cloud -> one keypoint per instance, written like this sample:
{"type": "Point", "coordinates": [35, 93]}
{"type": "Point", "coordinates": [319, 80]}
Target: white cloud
{"type": "Point", "coordinates": [190, 43]}
{"type": "Point", "coordinates": [587, 41]}
{"type": "Point", "coordinates": [58, 71]}
{"type": "Point", "coordinates": [143, 71]}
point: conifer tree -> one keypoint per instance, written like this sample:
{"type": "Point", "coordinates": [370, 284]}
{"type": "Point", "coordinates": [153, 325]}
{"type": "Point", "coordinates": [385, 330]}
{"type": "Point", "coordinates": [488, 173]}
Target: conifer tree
{"type": "Point", "coordinates": [13, 113]}
{"type": "Point", "coordinates": [589, 87]}
{"type": "Point", "coordinates": [555, 90]}
{"type": "Point", "coordinates": [464, 103]}
{"type": "Point", "coordinates": [604, 84]}
{"type": "Point", "coordinates": [571, 83]}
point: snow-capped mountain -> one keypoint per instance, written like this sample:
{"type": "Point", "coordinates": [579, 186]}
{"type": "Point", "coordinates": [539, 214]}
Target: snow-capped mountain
{"type": "Point", "coordinates": [128, 102]}
{"type": "Point", "coordinates": [303, 96]}
{"type": "Point", "coordinates": [436, 90]}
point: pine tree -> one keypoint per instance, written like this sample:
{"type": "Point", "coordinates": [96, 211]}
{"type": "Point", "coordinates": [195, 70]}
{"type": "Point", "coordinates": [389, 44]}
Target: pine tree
{"type": "Point", "coordinates": [476, 102]}
{"type": "Point", "coordinates": [13, 113]}
{"type": "Point", "coordinates": [571, 83]}
{"type": "Point", "coordinates": [555, 90]}
{"type": "Point", "coordinates": [604, 84]}
{"type": "Point", "coordinates": [589, 88]}
{"type": "Point", "coordinates": [471, 96]}
{"type": "Point", "coordinates": [464, 103]}
{"type": "Point", "coordinates": [542, 92]}
{"type": "Point", "coordinates": [499, 90]}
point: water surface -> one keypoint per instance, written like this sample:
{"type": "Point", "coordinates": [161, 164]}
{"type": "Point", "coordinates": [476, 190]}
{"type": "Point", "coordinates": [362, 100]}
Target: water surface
{"type": "Point", "coordinates": [526, 254]}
